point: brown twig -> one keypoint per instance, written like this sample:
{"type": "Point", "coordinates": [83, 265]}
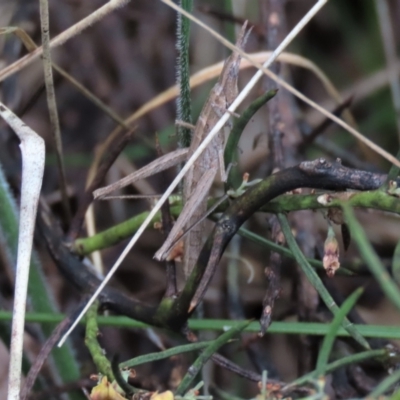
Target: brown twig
{"type": "Point", "coordinates": [318, 174]}
{"type": "Point", "coordinates": [273, 275]}
{"type": "Point", "coordinates": [231, 366]}
{"type": "Point", "coordinates": [272, 12]}
{"type": "Point", "coordinates": [114, 151]}
{"type": "Point", "coordinates": [58, 390]}
{"type": "Point", "coordinates": [319, 129]}
{"type": "Point", "coordinates": [45, 352]}
{"type": "Point", "coordinates": [52, 105]}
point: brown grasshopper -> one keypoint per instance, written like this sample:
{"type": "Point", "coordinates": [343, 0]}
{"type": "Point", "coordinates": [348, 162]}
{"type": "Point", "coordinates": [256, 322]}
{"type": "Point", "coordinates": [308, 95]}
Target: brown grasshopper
{"type": "Point", "coordinates": [201, 175]}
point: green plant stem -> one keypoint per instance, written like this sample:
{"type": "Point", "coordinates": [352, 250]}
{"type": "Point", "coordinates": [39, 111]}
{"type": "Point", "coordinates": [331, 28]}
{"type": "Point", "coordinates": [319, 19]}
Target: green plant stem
{"type": "Point", "coordinates": [370, 257]}
{"type": "Point", "coordinates": [375, 199]}
{"type": "Point", "coordinates": [117, 233]}
{"type": "Point", "coordinates": [184, 107]}
{"type": "Point", "coordinates": [268, 244]}
{"type": "Point", "coordinates": [231, 149]}
{"type": "Point", "coordinates": [385, 385]}
{"type": "Point", "coordinates": [316, 281]}
{"type": "Point", "coordinates": [195, 368]}
{"type": "Point", "coordinates": [102, 364]}
{"type": "Point", "coordinates": [329, 339]}
{"type": "Point", "coordinates": [353, 359]}
{"type": "Point", "coordinates": [289, 328]}
{"type": "Point", "coordinates": [164, 354]}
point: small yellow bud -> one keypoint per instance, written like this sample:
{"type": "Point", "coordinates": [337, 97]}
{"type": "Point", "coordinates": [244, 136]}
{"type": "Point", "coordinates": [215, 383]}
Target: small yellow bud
{"type": "Point", "coordinates": [105, 391]}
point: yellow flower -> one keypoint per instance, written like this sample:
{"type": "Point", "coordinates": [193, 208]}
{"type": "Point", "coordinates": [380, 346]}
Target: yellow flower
{"type": "Point", "coordinates": [105, 391]}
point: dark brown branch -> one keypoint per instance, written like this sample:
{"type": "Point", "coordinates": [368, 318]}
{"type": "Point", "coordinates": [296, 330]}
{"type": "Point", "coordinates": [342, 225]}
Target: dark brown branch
{"type": "Point", "coordinates": [78, 274]}
{"type": "Point", "coordinates": [318, 174]}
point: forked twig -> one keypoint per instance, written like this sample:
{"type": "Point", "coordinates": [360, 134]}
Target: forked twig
{"type": "Point", "coordinates": [314, 10]}
{"type": "Point", "coordinates": [33, 157]}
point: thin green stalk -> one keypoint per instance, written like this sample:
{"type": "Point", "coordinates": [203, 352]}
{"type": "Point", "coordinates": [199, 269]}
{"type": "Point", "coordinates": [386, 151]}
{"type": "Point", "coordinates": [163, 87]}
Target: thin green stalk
{"type": "Point", "coordinates": [103, 365]}
{"type": "Point", "coordinates": [370, 257]}
{"type": "Point", "coordinates": [117, 233]}
{"type": "Point", "coordinates": [40, 297]}
{"type": "Point", "coordinates": [353, 359]}
{"type": "Point", "coordinates": [195, 368]}
{"type": "Point", "coordinates": [164, 354]}
{"type": "Point", "coordinates": [395, 395]}
{"type": "Point", "coordinates": [231, 149]}
{"type": "Point", "coordinates": [316, 281]}
{"type": "Point", "coordinates": [288, 328]}
{"type": "Point", "coordinates": [268, 244]}
{"type": "Point", "coordinates": [184, 106]}
{"type": "Point", "coordinates": [385, 385]}
{"type": "Point", "coordinates": [121, 231]}
{"type": "Point", "coordinates": [375, 199]}
{"type": "Point", "coordinates": [51, 103]}
{"type": "Point", "coordinates": [329, 339]}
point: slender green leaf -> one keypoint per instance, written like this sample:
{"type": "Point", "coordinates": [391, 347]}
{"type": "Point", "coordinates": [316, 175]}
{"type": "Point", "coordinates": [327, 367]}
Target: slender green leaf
{"type": "Point", "coordinates": [195, 368]}
{"type": "Point", "coordinates": [327, 344]}
{"type": "Point", "coordinates": [231, 148]}
{"type": "Point", "coordinates": [268, 244]}
{"type": "Point", "coordinates": [288, 328]}
{"type": "Point", "coordinates": [353, 359]}
{"type": "Point", "coordinates": [370, 257]}
{"type": "Point", "coordinates": [103, 365]}
{"type": "Point", "coordinates": [316, 281]}
{"type": "Point", "coordinates": [164, 354]}
{"type": "Point", "coordinates": [385, 385]}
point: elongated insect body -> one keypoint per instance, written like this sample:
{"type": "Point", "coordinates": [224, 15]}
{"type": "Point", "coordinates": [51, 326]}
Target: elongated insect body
{"type": "Point", "coordinates": [201, 175]}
